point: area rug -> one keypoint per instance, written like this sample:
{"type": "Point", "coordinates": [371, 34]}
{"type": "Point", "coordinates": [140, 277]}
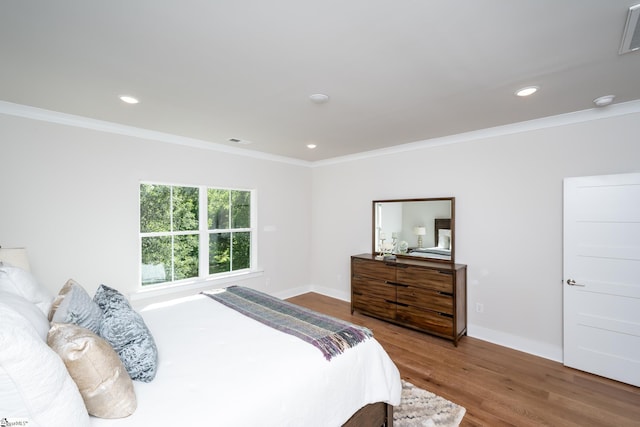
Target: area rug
{"type": "Point", "coordinates": [421, 408]}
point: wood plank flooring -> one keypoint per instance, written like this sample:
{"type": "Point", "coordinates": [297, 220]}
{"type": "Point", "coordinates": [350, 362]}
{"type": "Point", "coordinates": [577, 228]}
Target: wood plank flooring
{"type": "Point", "coordinates": [498, 386]}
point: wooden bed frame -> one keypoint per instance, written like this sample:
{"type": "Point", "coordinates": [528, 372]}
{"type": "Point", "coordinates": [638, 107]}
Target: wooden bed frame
{"type": "Point", "coordinates": [372, 415]}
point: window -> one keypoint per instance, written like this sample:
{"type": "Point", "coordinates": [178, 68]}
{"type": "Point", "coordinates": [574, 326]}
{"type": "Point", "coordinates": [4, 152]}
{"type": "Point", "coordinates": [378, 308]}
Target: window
{"type": "Point", "coordinates": [194, 232]}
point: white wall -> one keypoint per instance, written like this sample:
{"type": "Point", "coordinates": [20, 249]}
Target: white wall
{"type": "Point", "coordinates": [70, 195]}
{"type": "Point", "coordinates": [508, 192]}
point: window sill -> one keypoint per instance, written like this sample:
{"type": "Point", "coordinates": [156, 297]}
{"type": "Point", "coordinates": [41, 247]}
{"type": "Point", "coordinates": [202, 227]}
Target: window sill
{"type": "Point", "coordinates": [188, 286]}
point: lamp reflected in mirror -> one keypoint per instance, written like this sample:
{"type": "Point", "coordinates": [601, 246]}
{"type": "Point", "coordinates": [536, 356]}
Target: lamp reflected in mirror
{"type": "Point", "coordinates": [420, 231]}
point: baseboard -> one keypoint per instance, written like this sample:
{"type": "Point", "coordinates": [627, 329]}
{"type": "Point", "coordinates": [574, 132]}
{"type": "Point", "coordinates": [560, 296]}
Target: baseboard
{"type": "Point", "coordinates": [504, 339]}
{"type": "Point", "coordinates": [294, 292]}
{"type": "Point", "coordinates": [516, 342]}
{"type": "Point", "coordinates": [328, 292]}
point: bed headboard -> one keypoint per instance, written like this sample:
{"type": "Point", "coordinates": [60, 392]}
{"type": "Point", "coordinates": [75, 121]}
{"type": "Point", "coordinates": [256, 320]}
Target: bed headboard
{"type": "Point", "coordinates": [444, 223]}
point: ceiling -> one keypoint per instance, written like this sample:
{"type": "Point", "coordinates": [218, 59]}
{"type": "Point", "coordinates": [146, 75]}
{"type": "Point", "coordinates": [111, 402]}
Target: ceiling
{"type": "Point", "coordinates": [395, 71]}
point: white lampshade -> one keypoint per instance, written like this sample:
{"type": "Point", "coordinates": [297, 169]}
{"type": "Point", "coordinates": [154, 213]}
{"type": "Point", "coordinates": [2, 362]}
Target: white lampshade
{"type": "Point", "coordinates": [17, 257]}
{"type": "Point", "coordinates": [419, 231]}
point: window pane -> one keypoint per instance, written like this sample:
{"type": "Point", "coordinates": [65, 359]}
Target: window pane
{"type": "Point", "coordinates": [156, 259]}
{"type": "Point", "coordinates": [155, 204]}
{"type": "Point", "coordinates": [185, 256]}
{"type": "Point", "coordinates": [218, 209]}
{"type": "Point", "coordinates": [185, 208]}
{"type": "Point", "coordinates": [241, 251]}
{"type": "Point", "coordinates": [219, 252]}
{"type": "Point", "coordinates": [240, 209]}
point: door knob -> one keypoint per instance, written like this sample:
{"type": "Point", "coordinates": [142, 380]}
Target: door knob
{"type": "Point", "coordinates": [572, 282]}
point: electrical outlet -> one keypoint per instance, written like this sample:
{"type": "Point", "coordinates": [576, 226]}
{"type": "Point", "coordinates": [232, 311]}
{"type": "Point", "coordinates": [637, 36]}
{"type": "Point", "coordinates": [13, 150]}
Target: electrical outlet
{"type": "Point", "coordinates": [266, 283]}
{"type": "Point", "coordinates": [479, 307]}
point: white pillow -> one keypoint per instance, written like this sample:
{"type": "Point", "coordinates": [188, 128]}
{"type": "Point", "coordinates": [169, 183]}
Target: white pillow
{"type": "Point", "coordinates": [21, 282]}
{"type": "Point", "coordinates": [34, 383]}
{"type": "Point", "coordinates": [28, 310]}
{"type": "Point", "coordinates": [444, 238]}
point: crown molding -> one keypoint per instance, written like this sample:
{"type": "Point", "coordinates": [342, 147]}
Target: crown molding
{"type": "Point", "coordinates": [592, 114]}
{"type": "Point", "coordinates": [35, 113]}
{"type": "Point", "coordinates": [41, 114]}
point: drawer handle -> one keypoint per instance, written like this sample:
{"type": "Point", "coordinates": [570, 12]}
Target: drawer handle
{"type": "Point", "coordinates": [398, 303]}
{"type": "Point", "coordinates": [400, 285]}
{"type": "Point", "coordinates": [450, 273]}
{"type": "Point", "coordinates": [445, 315]}
{"type": "Point", "coordinates": [448, 294]}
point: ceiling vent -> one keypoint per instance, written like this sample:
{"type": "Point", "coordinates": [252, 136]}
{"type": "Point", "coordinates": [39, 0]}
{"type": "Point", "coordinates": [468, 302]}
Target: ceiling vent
{"type": "Point", "coordinates": [631, 36]}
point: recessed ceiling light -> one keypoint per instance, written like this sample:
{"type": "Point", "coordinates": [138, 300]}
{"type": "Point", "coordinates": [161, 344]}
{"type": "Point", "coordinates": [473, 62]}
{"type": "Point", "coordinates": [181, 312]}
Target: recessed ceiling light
{"type": "Point", "coordinates": [319, 98]}
{"type": "Point", "coordinates": [526, 91]}
{"type": "Point", "coordinates": [311, 146]}
{"type": "Point", "coordinates": [129, 99]}
{"type": "Point", "coordinates": [603, 101]}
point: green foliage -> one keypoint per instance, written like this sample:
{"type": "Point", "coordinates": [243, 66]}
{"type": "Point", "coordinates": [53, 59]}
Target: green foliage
{"type": "Point", "coordinates": [185, 256]}
{"type": "Point", "coordinates": [157, 251]}
{"type": "Point", "coordinates": [218, 209]}
{"type": "Point", "coordinates": [241, 251]}
{"type": "Point", "coordinates": [155, 208]}
{"type": "Point", "coordinates": [185, 208]}
{"type": "Point", "coordinates": [240, 209]}
{"type": "Point", "coordinates": [219, 252]}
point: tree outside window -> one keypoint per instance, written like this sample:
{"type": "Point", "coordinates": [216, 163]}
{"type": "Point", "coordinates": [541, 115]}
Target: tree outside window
{"type": "Point", "coordinates": [171, 232]}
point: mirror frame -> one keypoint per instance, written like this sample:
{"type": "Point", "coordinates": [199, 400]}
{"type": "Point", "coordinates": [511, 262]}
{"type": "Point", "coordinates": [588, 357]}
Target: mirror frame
{"type": "Point", "coordinates": [374, 224]}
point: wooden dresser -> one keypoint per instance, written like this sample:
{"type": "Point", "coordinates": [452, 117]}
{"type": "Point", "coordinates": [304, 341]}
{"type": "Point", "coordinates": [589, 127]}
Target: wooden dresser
{"type": "Point", "coordinates": [423, 295]}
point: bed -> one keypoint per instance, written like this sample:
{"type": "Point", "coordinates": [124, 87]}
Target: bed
{"type": "Point", "coordinates": [216, 366]}
{"type": "Point", "coordinates": [442, 238]}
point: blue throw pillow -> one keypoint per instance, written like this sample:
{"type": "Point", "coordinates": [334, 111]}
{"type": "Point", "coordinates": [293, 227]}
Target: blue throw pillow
{"type": "Point", "coordinates": [74, 305]}
{"type": "Point", "coordinates": [124, 329]}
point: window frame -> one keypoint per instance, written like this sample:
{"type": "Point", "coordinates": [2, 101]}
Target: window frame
{"type": "Point", "coordinates": [203, 233]}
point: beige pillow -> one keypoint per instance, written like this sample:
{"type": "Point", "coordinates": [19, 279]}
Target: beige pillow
{"type": "Point", "coordinates": [105, 386]}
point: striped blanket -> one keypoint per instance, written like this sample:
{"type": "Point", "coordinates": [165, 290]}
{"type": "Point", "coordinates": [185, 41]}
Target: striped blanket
{"type": "Point", "coordinates": [330, 335]}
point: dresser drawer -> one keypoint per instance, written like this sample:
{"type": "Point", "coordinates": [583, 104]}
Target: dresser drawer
{"type": "Point", "coordinates": [376, 298]}
{"type": "Point", "coordinates": [426, 320]}
{"type": "Point", "coordinates": [425, 298]}
{"type": "Point", "coordinates": [373, 288]}
{"type": "Point", "coordinates": [375, 269]}
{"type": "Point", "coordinates": [439, 280]}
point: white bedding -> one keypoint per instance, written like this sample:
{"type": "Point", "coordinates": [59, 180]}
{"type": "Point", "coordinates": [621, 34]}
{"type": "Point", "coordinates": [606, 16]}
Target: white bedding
{"type": "Point", "coordinates": [218, 367]}
{"type": "Point", "coordinates": [434, 252]}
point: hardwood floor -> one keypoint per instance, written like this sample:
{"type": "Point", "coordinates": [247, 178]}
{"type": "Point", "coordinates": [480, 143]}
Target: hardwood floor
{"type": "Point", "coordinates": [498, 386]}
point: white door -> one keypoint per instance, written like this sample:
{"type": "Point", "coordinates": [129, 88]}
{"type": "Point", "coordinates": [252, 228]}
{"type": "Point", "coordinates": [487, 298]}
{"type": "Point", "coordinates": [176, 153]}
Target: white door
{"type": "Point", "coordinates": [602, 275]}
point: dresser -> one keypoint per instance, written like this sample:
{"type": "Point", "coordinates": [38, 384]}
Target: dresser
{"type": "Point", "coordinates": [428, 296]}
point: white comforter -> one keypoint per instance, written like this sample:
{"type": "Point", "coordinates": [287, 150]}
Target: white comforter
{"type": "Point", "coordinates": [434, 252]}
{"type": "Point", "coordinates": [221, 368]}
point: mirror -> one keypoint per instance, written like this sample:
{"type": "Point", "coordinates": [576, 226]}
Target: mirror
{"type": "Point", "coordinates": [419, 228]}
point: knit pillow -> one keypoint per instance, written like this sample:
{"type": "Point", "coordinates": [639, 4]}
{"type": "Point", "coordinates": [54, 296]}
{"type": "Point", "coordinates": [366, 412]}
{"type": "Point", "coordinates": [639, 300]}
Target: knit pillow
{"type": "Point", "coordinates": [125, 330]}
{"type": "Point", "coordinates": [74, 305]}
